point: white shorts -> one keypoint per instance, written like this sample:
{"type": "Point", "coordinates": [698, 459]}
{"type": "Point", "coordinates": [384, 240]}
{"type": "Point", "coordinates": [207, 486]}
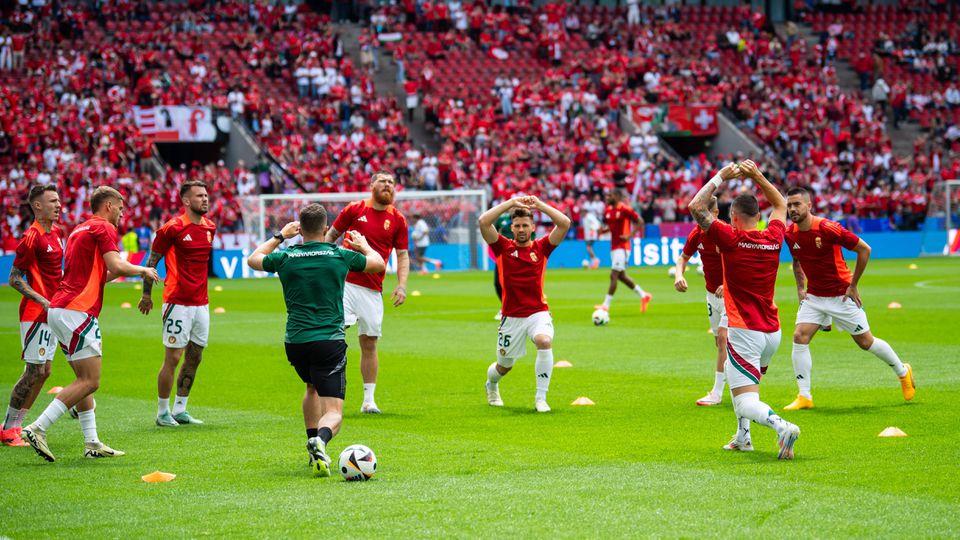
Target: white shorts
{"type": "Point", "coordinates": [37, 342]}
{"type": "Point", "coordinates": [364, 306]}
{"type": "Point", "coordinates": [514, 332]}
{"type": "Point", "coordinates": [183, 324]}
{"type": "Point", "coordinates": [77, 332]}
{"type": "Point", "coordinates": [618, 259]}
{"type": "Point", "coordinates": [590, 235]}
{"type": "Point", "coordinates": [716, 312]}
{"type": "Point", "coordinates": [748, 355]}
{"type": "Point", "coordinates": [845, 313]}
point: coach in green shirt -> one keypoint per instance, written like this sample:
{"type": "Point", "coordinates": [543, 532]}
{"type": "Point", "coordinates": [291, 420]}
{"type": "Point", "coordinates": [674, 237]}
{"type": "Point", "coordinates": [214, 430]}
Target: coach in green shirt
{"type": "Point", "coordinates": [312, 275]}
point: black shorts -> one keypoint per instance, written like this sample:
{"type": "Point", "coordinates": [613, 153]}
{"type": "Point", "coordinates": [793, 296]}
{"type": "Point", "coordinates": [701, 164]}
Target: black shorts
{"type": "Point", "coordinates": [322, 364]}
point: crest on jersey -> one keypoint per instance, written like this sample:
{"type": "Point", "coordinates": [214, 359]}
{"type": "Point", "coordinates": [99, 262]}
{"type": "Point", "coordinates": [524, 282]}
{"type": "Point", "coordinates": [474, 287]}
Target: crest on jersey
{"type": "Point", "coordinates": [503, 352]}
{"type": "Point", "coordinates": [533, 256]}
{"type": "Point", "coordinates": [819, 242]}
{"type": "Point", "coordinates": [386, 224]}
{"type": "Point", "coordinates": [41, 351]}
{"type": "Point", "coordinates": [172, 339]}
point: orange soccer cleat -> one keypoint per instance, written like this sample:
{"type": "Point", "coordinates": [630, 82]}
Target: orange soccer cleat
{"type": "Point", "coordinates": [11, 437]}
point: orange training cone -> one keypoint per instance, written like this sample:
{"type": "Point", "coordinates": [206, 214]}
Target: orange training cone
{"type": "Point", "coordinates": [563, 364]}
{"type": "Point", "coordinates": [157, 476]}
{"type": "Point", "coordinates": [892, 432]}
{"type": "Point", "coordinates": [583, 401]}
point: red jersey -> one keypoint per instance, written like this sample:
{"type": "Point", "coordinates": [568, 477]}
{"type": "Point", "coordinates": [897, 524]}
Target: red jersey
{"type": "Point", "coordinates": [750, 263]}
{"type": "Point", "coordinates": [385, 230]}
{"type": "Point", "coordinates": [85, 272]}
{"type": "Point", "coordinates": [710, 258]}
{"type": "Point", "coordinates": [187, 248]}
{"type": "Point", "coordinates": [521, 271]}
{"type": "Point", "coordinates": [40, 256]}
{"type": "Point", "coordinates": [619, 218]}
{"type": "Point", "coordinates": [818, 252]}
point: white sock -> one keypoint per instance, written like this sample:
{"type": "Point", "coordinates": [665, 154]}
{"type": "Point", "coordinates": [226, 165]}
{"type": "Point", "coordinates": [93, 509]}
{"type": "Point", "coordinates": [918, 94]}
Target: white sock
{"type": "Point", "coordinates": [882, 350]}
{"type": "Point", "coordinates": [802, 364]}
{"type": "Point", "coordinates": [743, 429]}
{"type": "Point", "coordinates": [54, 411]}
{"type": "Point", "coordinates": [10, 419]}
{"type": "Point", "coordinates": [21, 414]}
{"type": "Point", "coordinates": [493, 376]}
{"type": "Point", "coordinates": [88, 424]}
{"type": "Point", "coordinates": [368, 390]}
{"type": "Point", "coordinates": [718, 383]}
{"type": "Point", "coordinates": [543, 368]}
{"type": "Point", "coordinates": [639, 290]}
{"type": "Point", "coordinates": [163, 406]}
{"type": "Point", "coordinates": [607, 300]}
{"type": "Point", "coordinates": [180, 404]}
{"type": "Point", "coordinates": [748, 405]}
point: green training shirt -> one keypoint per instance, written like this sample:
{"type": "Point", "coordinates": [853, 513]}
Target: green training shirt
{"type": "Point", "coordinates": [312, 275]}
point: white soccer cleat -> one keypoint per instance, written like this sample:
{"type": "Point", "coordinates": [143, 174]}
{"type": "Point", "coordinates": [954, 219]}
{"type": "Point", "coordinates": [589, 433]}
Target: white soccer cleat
{"type": "Point", "coordinates": [787, 438]}
{"type": "Point", "coordinates": [369, 408]}
{"type": "Point", "coordinates": [100, 450]}
{"type": "Point", "coordinates": [710, 399]}
{"type": "Point", "coordinates": [541, 405]}
{"type": "Point", "coordinates": [738, 446]}
{"type": "Point", "coordinates": [38, 440]}
{"type": "Point", "coordinates": [493, 395]}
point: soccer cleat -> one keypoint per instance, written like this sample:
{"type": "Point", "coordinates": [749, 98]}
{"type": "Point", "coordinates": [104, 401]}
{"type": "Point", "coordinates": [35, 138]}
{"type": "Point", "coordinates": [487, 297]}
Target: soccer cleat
{"type": "Point", "coordinates": [319, 460]}
{"type": "Point", "coordinates": [594, 264]}
{"type": "Point", "coordinates": [738, 446]}
{"type": "Point", "coordinates": [439, 265]}
{"type": "Point", "coordinates": [369, 408]}
{"type": "Point", "coordinates": [645, 301]}
{"type": "Point", "coordinates": [166, 420]}
{"type": "Point", "coordinates": [185, 418]}
{"type": "Point", "coordinates": [541, 405]}
{"type": "Point", "coordinates": [498, 316]}
{"type": "Point", "coordinates": [709, 399]}
{"type": "Point", "coordinates": [786, 440]}
{"type": "Point", "coordinates": [907, 383]}
{"type": "Point", "coordinates": [11, 437]}
{"type": "Point", "coordinates": [99, 450]}
{"type": "Point", "coordinates": [493, 395]}
{"type": "Point", "coordinates": [38, 440]}
{"type": "Point", "coordinates": [800, 403]}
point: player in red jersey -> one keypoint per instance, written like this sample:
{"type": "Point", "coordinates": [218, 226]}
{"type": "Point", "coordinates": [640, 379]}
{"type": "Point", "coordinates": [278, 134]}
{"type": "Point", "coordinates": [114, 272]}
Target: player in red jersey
{"type": "Point", "coordinates": [827, 290]}
{"type": "Point", "coordinates": [712, 264]}
{"type": "Point", "coordinates": [522, 263]}
{"type": "Point", "coordinates": [751, 259]}
{"type": "Point", "coordinates": [620, 219]}
{"type": "Point", "coordinates": [186, 241]}
{"type": "Point", "coordinates": [385, 229]}
{"type": "Point", "coordinates": [92, 258]}
{"type": "Point", "coordinates": [36, 273]}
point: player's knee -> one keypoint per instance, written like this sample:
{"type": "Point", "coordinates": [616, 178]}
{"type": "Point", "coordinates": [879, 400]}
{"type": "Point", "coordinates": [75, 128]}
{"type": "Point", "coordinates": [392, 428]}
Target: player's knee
{"type": "Point", "coordinates": [801, 338]}
{"type": "Point", "coordinates": [91, 385]}
{"type": "Point", "coordinates": [543, 342]}
{"type": "Point", "coordinates": [864, 341]}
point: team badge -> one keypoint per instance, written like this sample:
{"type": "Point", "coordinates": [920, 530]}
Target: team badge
{"type": "Point", "coordinates": [819, 243]}
{"type": "Point", "coordinates": [42, 351]}
{"type": "Point", "coordinates": [172, 339]}
{"type": "Point", "coordinates": [503, 352]}
{"type": "Point", "coordinates": [386, 225]}
{"type": "Point", "coordinates": [533, 256]}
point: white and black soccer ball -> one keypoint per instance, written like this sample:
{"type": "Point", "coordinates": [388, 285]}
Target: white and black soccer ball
{"type": "Point", "coordinates": [601, 317]}
{"type": "Point", "coordinates": [357, 463]}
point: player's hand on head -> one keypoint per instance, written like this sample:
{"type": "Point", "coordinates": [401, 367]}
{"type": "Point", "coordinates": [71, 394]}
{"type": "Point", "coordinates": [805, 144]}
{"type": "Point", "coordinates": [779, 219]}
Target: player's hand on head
{"type": "Point", "coordinates": [399, 296]}
{"type": "Point", "coordinates": [145, 305]}
{"type": "Point", "coordinates": [750, 169]}
{"type": "Point", "coordinates": [290, 230]}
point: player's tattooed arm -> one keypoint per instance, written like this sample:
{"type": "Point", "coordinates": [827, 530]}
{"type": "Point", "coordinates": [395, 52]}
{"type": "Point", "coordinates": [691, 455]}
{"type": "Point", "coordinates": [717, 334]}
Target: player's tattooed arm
{"type": "Point", "coordinates": [146, 301]}
{"type": "Point", "coordinates": [801, 280]}
{"type": "Point", "coordinates": [19, 283]}
{"type": "Point", "coordinates": [700, 205]}
{"type": "Point", "coordinates": [332, 235]}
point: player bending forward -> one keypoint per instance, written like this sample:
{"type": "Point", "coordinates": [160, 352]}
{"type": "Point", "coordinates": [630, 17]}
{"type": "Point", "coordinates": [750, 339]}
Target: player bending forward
{"type": "Point", "coordinates": [828, 291]}
{"type": "Point", "coordinates": [521, 264]}
{"type": "Point", "coordinates": [751, 259]}
{"type": "Point", "coordinates": [312, 275]}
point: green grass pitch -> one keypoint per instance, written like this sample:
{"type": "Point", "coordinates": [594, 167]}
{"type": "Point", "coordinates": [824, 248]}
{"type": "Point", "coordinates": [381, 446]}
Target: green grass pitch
{"type": "Point", "coordinates": [644, 461]}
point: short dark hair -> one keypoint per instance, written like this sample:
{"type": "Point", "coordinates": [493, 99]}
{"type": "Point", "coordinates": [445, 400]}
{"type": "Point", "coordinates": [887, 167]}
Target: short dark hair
{"type": "Point", "coordinates": [38, 190]}
{"type": "Point", "coordinates": [521, 213]}
{"type": "Point", "coordinates": [185, 187]}
{"type": "Point", "coordinates": [101, 195]}
{"type": "Point", "coordinates": [746, 204]}
{"type": "Point", "coordinates": [313, 219]}
{"type": "Point", "coordinates": [797, 190]}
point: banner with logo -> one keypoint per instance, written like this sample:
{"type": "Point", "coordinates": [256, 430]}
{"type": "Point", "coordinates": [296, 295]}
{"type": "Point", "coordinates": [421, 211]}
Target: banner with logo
{"type": "Point", "coordinates": [693, 120]}
{"type": "Point", "coordinates": [176, 123]}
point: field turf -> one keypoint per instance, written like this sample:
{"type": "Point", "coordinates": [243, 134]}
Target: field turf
{"type": "Point", "coordinates": [644, 461]}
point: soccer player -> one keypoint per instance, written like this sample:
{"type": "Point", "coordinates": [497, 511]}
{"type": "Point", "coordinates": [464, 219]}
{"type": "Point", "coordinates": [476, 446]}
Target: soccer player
{"type": "Point", "coordinates": [91, 258]}
{"type": "Point", "coordinates": [421, 241]}
{"type": "Point", "coordinates": [385, 228]}
{"type": "Point", "coordinates": [186, 241]}
{"type": "Point", "coordinates": [591, 230]}
{"type": "Point", "coordinates": [521, 265]}
{"type": "Point", "coordinates": [827, 290]}
{"type": "Point", "coordinates": [36, 273]}
{"type": "Point", "coordinates": [312, 275]}
{"type": "Point", "coordinates": [712, 265]}
{"type": "Point", "coordinates": [751, 259]}
{"type": "Point", "coordinates": [620, 220]}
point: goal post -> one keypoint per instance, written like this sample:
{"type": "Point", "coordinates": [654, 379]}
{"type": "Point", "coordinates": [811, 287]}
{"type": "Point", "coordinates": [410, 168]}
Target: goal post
{"type": "Point", "coordinates": [450, 214]}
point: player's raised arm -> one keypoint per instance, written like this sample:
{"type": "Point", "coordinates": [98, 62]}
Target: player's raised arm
{"type": "Point", "coordinates": [255, 260]}
{"type": "Point", "coordinates": [770, 192]}
{"type": "Point", "coordinates": [561, 223]}
{"type": "Point", "coordinates": [700, 205]}
{"type": "Point", "coordinates": [358, 243]}
{"type": "Point", "coordinates": [118, 267]}
{"type": "Point", "coordinates": [488, 218]}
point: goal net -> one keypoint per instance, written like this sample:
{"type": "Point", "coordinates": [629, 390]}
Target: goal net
{"type": "Point", "coordinates": [450, 215]}
{"type": "Point", "coordinates": [940, 235]}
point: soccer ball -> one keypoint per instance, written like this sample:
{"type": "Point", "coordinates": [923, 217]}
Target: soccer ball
{"type": "Point", "coordinates": [601, 317]}
{"type": "Point", "coordinates": [672, 272]}
{"type": "Point", "coordinates": [357, 462]}
{"type": "Point", "coordinates": [585, 263]}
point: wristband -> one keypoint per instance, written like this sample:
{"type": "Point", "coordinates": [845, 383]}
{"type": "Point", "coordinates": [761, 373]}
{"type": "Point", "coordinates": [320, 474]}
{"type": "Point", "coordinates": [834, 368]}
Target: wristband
{"type": "Point", "coordinates": [716, 181]}
{"type": "Point", "coordinates": [279, 237]}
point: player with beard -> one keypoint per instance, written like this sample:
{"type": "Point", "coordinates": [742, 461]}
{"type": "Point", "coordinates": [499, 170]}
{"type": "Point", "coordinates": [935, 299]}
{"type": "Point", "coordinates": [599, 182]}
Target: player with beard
{"type": "Point", "coordinates": [385, 229]}
{"type": "Point", "coordinates": [186, 242]}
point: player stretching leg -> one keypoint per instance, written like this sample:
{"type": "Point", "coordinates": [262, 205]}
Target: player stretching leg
{"type": "Point", "coordinates": [186, 242]}
{"type": "Point", "coordinates": [620, 219]}
{"type": "Point", "coordinates": [385, 229]}
{"type": "Point", "coordinates": [712, 265]}
{"type": "Point", "coordinates": [828, 291]}
{"type": "Point", "coordinates": [751, 259]}
{"type": "Point", "coordinates": [91, 255]}
{"type": "Point", "coordinates": [522, 263]}
{"type": "Point", "coordinates": [312, 275]}
{"type": "Point", "coordinates": [36, 274]}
